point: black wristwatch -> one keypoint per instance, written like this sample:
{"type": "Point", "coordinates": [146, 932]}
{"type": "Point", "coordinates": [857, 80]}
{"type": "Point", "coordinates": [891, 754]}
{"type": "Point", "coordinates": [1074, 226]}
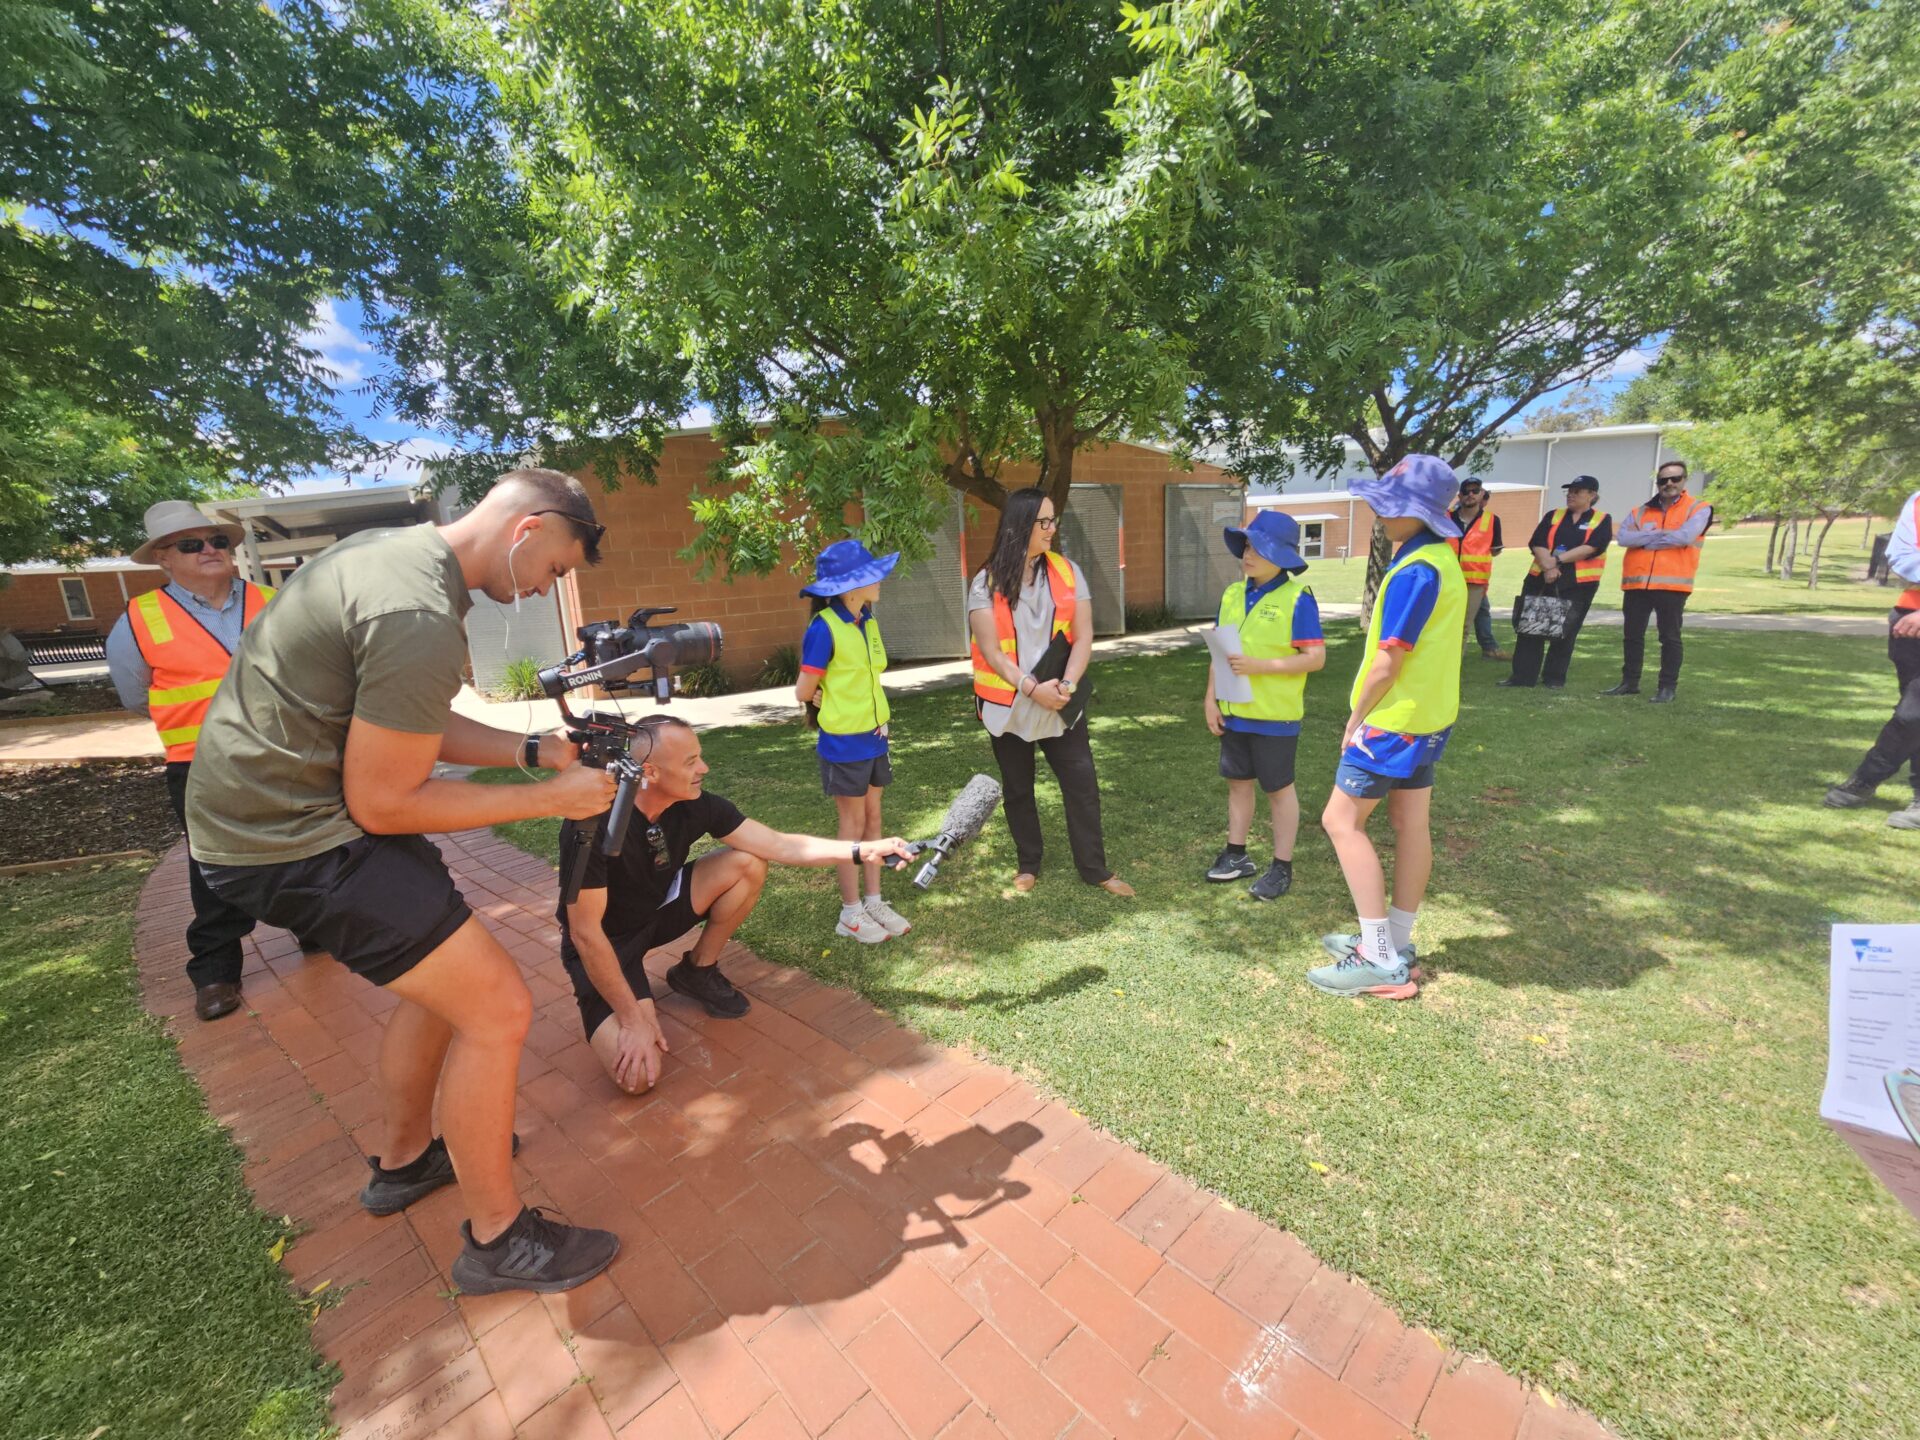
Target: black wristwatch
{"type": "Point", "coordinates": [530, 752]}
{"type": "Point", "coordinates": [856, 854]}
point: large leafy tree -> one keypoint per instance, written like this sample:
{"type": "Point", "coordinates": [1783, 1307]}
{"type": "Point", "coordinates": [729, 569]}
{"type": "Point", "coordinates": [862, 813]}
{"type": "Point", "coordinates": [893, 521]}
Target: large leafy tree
{"type": "Point", "coordinates": [897, 248]}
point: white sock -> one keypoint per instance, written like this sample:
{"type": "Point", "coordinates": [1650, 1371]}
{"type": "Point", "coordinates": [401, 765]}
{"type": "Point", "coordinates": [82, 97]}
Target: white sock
{"type": "Point", "coordinates": [1375, 936]}
{"type": "Point", "coordinates": [873, 895]}
{"type": "Point", "coordinates": [1400, 922]}
{"type": "Point", "coordinates": [853, 911]}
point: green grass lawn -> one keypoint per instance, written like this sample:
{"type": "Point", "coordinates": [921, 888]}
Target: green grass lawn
{"type": "Point", "coordinates": [1732, 580]}
{"type": "Point", "coordinates": [137, 1297]}
{"type": "Point", "coordinates": [1591, 1148]}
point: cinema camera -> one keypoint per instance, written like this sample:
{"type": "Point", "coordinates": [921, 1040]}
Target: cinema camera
{"type": "Point", "coordinates": [609, 655]}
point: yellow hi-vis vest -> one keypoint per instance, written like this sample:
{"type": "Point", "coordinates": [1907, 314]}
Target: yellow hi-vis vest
{"type": "Point", "coordinates": [188, 664]}
{"type": "Point", "coordinates": [1426, 697]}
{"type": "Point", "coordinates": [852, 700]}
{"type": "Point", "coordinates": [987, 684]}
{"type": "Point", "coordinates": [1266, 634]}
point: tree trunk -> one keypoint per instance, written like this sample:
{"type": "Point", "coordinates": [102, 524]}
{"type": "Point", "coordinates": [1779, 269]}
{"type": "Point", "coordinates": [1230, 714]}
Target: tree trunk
{"type": "Point", "coordinates": [1866, 535]}
{"type": "Point", "coordinates": [1773, 542]}
{"type": "Point", "coordinates": [1813, 568]}
{"type": "Point", "coordinates": [1056, 456]}
{"type": "Point", "coordinates": [1787, 550]}
{"type": "Point", "coordinates": [1379, 547]}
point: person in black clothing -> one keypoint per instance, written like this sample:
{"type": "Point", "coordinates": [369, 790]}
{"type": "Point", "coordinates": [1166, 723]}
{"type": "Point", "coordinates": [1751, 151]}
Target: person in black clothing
{"type": "Point", "coordinates": [650, 894]}
{"type": "Point", "coordinates": [1569, 548]}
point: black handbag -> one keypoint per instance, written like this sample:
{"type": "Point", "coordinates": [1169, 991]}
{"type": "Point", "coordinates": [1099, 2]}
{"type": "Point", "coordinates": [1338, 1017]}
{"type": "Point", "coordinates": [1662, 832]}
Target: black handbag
{"type": "Point", "coordinates": [1053, 666]}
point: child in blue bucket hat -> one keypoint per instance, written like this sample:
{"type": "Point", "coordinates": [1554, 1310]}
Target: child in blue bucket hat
{"type": "Point", "coordinates": [1280, 645]}
{"type": "Point", "coordinates": [842, 659]}
{"type": "Point", "coordinates": [1405, 700]}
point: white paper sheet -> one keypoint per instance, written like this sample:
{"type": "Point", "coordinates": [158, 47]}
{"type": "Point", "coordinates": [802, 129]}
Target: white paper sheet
{"type": "Point", "coordinates": [1224, 640]}
{"type": "Point", "coordinates": [1873, 1021]}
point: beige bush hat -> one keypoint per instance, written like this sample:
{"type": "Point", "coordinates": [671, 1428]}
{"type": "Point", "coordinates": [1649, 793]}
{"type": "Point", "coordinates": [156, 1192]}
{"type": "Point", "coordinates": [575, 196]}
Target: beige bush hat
{"type": "Point", "coordinates": [171, 517]}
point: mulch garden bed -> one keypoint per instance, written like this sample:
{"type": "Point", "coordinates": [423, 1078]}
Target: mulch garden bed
{"type": "Point", "coordinates": [57, 811]}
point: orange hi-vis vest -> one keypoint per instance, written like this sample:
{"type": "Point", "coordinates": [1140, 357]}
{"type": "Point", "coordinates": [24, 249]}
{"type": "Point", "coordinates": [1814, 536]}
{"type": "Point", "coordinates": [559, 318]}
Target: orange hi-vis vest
{"type": "Point", "coordinates": [188, 664]}
{"type": "Point", "coordinates": [1644, 569]}
{"type": "Point", "coordinates": [987, 684]}
{"type": "Point", "coordinates": [1475, 549]}
{"type": "Point", "coordinates": [1589, 570]}
{"type": "Point", "coordinates": [1910, 597]}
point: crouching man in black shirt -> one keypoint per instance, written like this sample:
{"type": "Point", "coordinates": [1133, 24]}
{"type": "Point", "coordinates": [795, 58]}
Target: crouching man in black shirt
{"type": "Point", "coordinates": [650, 893]}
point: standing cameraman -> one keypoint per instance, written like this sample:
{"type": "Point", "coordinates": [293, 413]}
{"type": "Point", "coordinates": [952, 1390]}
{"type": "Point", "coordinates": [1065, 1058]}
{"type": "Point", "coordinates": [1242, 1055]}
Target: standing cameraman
{"type": "Point", "coordinates": [310, 797]}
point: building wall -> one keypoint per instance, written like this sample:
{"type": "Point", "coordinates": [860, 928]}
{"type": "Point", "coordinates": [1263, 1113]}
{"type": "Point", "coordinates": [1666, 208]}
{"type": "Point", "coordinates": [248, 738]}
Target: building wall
{"type": "Point", "coordinates": [647, 525]}
{"type": "Point", "coordinates": [31, 604]}
{"type": "Point", "coordinates": [1517, 510]}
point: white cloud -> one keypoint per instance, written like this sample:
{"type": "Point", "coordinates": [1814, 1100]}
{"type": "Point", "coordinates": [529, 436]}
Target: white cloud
{"type": "Point", "coordinates": [1631, 363]}
{"type": "Point", "coordinates": [340, 349]}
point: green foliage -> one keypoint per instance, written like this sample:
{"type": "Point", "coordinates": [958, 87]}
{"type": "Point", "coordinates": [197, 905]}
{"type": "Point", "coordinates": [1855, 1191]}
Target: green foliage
{"type": "Point", "coordinates": [520, 680]}
{"type": "Point", "coordinates": [1149, 617]}
{"type": "Point", "coordinates": [700, 682]}
{"type": "Point", "coordinates": [780, 669]}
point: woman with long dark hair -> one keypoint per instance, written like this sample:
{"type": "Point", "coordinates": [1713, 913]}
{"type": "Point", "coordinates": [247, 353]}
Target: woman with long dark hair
{"type": "Point", "coordinates": [1031, 615]}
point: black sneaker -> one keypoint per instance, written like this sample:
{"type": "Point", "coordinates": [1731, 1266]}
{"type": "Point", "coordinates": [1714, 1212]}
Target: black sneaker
{"type": "Point", "coordinates": [533, 1253]}
{"type": "Point", "coordinates": [1624, 688]}
{"type": "Point", "coordinates": [707, 985]}
{"type": "Point", "coordinates": [388, 1192]}
{"type": "Point", "coordinates": [1512, 684]}
{"type": "Point", "coordinates": [1230, 866]}
{"type": "Point", "coordinates": [1275, 883]}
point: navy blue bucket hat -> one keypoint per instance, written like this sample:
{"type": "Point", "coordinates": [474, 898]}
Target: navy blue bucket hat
{"type": "Point", "coordinates": [1275, 538]}
{"type": "Point", "coordinates": [1419, 488]}
{"type": "Point", "coordinates": [847, 565]}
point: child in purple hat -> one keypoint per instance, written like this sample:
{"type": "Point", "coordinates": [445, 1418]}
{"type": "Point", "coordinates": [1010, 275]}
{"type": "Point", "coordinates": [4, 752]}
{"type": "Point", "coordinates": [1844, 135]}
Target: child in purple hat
{"type": "Point", "coordinates": [841, 661]}
{"type": "Point", "coordinates": [1405, 700]}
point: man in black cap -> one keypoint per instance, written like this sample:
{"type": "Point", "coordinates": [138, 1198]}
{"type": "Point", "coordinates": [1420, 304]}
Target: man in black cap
{"type": "Point", "coordinates": [1569, 553]}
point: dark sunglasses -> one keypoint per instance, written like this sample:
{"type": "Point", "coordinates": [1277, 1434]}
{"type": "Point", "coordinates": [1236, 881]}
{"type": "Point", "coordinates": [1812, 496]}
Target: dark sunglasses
{"type": "Point", "coordinates": [194, 544]}
{"type": "Point", "coordinates": [594, 533]}
{"type": "Point", "coordinates": [1471, 492]}
{"type": "Point", "coordinates": [657, 845]}
{"type": "Point", "coordinates": [1680, 479]}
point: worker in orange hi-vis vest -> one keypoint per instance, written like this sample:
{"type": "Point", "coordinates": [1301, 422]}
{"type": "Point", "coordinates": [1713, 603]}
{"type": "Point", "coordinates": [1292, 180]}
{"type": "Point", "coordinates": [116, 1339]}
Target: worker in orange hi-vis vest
{"type": "Point", "coordinates": [1479, 541]}
{"type": "Point", "coordinates": [1661, 543]}
{"type": "Point", "coordinates": [167, 655]}
{"type": "Point", "coordinates": [1899, 741]}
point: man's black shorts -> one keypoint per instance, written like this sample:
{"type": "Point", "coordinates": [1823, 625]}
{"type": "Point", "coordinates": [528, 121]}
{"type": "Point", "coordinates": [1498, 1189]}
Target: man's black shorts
{"type": "Point", "coordinates": [673, 919]}
{"type": "Point", "coordinates": [1266, 758]}
{"type": "Point", "coordinates": [379, 904]}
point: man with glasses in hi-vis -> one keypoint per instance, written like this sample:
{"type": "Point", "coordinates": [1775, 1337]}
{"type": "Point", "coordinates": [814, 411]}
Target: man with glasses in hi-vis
{"type": "Point", "coordinates": [1661, 544]}
{"type": "Point", "coordinates": [167, 655]}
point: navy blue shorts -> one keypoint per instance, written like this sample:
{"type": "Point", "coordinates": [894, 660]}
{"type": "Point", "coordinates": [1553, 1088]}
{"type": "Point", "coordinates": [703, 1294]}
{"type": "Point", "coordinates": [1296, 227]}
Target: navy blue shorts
{"type": "Point", "coordinates": [855, 777]}
{"type": "Point", "coordinates": [1366, 785]}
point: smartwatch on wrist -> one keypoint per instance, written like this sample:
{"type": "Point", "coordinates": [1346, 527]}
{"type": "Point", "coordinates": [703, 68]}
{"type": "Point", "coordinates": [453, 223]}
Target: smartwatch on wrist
{"type": "Point", "coordinates": [856, 853]}
{"type": "Point", "coordinates": [530, 752]}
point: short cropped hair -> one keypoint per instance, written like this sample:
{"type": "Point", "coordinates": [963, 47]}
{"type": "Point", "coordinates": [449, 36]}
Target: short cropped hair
{"type": "Point", "coordinates": [550, 491]}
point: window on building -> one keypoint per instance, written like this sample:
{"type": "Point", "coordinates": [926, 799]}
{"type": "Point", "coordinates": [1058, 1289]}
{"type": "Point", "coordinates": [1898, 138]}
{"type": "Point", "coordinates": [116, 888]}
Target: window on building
{"type": "Point", "coordinates": [1313, 538]}
{"type": "Point", "coordinates": [74, 593]}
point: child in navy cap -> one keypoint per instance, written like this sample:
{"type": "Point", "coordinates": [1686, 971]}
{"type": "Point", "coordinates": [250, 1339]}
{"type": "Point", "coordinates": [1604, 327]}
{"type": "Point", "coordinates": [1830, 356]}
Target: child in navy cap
{"type": "Point", "coordinates": [1405, 700]}
{"type": "Point", "coordinates": [841, 661]}
{"type": "Point", "coordinates": [1280, 645]}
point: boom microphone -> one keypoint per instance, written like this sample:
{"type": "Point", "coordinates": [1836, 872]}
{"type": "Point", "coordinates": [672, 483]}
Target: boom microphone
{"type": "Point", "coordinates": [969, 812]}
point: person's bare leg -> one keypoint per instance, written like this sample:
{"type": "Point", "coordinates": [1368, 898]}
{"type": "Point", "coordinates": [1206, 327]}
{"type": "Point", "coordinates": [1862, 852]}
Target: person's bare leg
{"type": "Point", "coordinates": [870, 830]}
{"type": "Point", "coordinates": [475, 987]}
{"type": "Point", "coordinates": [1345, 821]}
{"type": "Point", "coordinates": [852, 813]}
{"type": "Point", "coordinates": [1239, 811]}
{"type": "Point", "coordinates": [1284, 808]}
{"type": "Point", "coordinates": [1408, 813]}
{"type": "Point", "coordinates": [726, 887]}
{"type": "Point", "coordinates": [412, 1049]}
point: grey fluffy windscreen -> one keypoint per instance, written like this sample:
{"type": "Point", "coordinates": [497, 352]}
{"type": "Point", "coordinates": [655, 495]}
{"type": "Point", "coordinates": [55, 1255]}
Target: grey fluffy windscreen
{"type": "Point", "coordinates": [972, 808]}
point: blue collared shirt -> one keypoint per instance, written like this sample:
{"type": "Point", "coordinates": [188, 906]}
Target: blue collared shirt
{"type": "Point", "coordinates": [133, 677]}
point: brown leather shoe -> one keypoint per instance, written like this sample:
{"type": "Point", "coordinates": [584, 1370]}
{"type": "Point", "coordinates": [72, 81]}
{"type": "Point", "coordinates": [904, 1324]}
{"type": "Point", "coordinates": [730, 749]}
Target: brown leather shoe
{"type": "Point", "coordinates": [1114, 885]}
{"type": "Point", "coordinates": [210, 1002]}
{"type": "Point", "coordinates": [1023, 882]}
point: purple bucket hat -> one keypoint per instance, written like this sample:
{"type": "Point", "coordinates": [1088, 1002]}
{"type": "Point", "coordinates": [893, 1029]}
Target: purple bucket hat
{"type": "Point", "coordinates": [1419, 488]}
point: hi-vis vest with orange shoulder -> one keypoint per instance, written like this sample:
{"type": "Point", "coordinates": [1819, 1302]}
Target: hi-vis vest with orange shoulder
{"type": "Point", "coordinates": [1475, 549]}
{"type": "Point", "coordinates": [1589, 570]}
{"type": "Point", "coordinates": [987, 684]}
{"type": "Point", "coordinates": [188, 664]}
{"type": "Point", "coordinates": [1910, 597]}
{"type": "Point", "coordinates": [1644, 569]}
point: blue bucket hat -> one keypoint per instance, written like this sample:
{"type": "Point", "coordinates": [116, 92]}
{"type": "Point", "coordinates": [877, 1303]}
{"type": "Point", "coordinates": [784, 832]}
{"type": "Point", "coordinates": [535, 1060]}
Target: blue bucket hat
{"type": "Point", "coordinates": [1275, 538]}
{"type": "Point", "coordinates": [847, 565]}
{"type": "Point", "coordinates": [1419, 488]}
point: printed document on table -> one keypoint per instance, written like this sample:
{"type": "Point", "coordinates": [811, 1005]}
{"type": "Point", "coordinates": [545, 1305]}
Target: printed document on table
{"type": "Point", "coordinates": [1224, 640]}
{"type": "Point", "coordinates": [1873, 1022]}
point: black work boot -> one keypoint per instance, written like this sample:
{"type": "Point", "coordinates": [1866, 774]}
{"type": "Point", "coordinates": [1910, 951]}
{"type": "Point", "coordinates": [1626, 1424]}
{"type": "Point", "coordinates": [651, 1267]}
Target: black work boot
{"type": "Point", "coordinates": [1625, 687]}
{"type": "Point", "coordinates": [1663, 696]}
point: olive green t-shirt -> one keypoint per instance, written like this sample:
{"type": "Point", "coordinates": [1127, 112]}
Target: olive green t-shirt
{"type": "Point", "coordinates": [374, 627]}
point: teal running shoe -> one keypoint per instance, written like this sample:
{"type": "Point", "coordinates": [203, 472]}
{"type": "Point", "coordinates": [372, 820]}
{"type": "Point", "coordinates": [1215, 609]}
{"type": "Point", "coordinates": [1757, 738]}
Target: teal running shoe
{"type": "Point", "coordinates": [1354, 976]}
{"type": "Point", "coordinates": [1342, 946]}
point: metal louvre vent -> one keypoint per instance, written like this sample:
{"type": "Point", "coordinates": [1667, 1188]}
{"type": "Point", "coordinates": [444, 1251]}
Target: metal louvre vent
{"type": "Point", "coordinates": [1090, 537]}
{"type": "Point", "coordinates": [496, 636]}
{"type": "Point", "coordinates": [923, 607]}
{"type": "Point", "coordinates": [1198, 565]}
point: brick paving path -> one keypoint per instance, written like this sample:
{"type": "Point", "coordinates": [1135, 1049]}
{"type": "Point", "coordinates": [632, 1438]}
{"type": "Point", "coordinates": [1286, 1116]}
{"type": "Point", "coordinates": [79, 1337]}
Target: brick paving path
{"type": "Point", "coordinates": [829, 1228]}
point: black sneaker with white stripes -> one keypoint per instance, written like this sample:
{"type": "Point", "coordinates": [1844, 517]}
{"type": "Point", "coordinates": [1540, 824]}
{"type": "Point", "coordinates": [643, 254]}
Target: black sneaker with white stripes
{"type": "Point", "coordinates": [533, 1253]}
{"type": "Point", "coordinates": [1232, 867]}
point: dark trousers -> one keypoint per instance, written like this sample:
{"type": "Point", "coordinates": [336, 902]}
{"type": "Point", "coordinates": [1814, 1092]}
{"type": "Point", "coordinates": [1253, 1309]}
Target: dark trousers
{"type": "Point", "coordinates": [1899, 742]}
{"type": "Point", "coordinates": [1528, 650]}
{"type": "Point", "coordinates": [1665, 606]}
{"type": "Point", "coordinates": [213, 939]}
{"type": "Point", "coordinates": [1483, 625]}
{"type": "Point", "coordinates": [1071, 756]}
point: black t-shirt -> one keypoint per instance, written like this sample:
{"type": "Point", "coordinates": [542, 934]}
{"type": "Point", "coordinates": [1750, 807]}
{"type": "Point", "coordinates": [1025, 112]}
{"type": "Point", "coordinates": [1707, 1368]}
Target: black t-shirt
{"type": "Point", "coordinates": [638, 879]}
{"type": "Point", "coordinates": [1570, 532]}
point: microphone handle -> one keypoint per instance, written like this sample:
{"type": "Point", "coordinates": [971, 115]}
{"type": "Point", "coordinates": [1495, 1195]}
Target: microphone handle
{"type": "Point", "coordinates": [622, 812]}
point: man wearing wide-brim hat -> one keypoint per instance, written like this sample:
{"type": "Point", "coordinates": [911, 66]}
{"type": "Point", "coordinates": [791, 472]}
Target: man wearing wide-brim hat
{"type": "Point", "coordinates": [167, 655]}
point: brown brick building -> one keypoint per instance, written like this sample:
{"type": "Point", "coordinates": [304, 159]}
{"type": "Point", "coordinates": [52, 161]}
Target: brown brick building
{"type": "Point", "coordinates": [47, 599]}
